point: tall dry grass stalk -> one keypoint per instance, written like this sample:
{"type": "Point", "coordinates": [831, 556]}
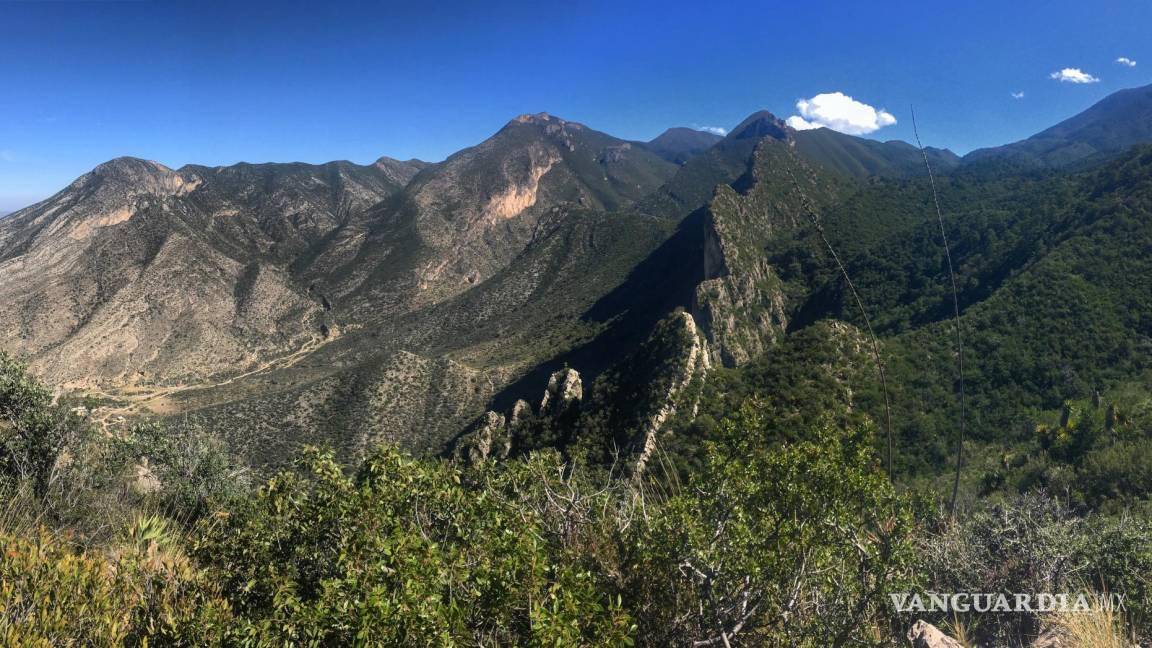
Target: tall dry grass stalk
{"type": "Point", "coordinates": [1099, 628]}
{"type": "Point", "coordinates": [814, 220]}
{"type": "Point", "coordinates": [955, 316]}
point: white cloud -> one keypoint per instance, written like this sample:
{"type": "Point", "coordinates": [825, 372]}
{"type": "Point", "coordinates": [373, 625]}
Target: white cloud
{"type": "Point", "coordinates": [1124, 60]}
{"type": "Point", "coordinates": [1018, 95]}
{"type": "Point", "coordinates": [839, 112]}
{"type": "Point", "coordinates": [1073, 75]}
{"type": "Point", "coordinates": [715, 130]}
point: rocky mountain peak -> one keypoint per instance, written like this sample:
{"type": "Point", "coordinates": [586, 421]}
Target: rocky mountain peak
{"type": "Point", "coordinates": [549, 125]}
{"type": "Point", "coordinates": [760, 125]}
{"type": "Point", "coordinates": [137, 176]}
{"type": "Point", "coordinates": [540, 118]}
{"type": "Point", "coordinates": [400, 172]}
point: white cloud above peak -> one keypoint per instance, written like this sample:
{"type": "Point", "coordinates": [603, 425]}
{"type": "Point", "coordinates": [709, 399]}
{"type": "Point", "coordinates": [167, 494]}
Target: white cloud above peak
{"type": "Point", "coordinates": [1073, 75]}
{"type": "Point", "coordinates": [715, 130]}
{"type": "Point", "coordinates": [1126, 62]}
{"type": "Point", "coordinates": [839, 112]}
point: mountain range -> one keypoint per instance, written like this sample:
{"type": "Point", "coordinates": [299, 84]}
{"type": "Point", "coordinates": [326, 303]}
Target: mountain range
{"type": "Point", "coordinates": [555, 285]}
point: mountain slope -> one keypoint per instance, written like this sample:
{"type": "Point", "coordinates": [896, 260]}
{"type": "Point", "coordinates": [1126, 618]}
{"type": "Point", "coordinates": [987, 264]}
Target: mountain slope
{"type": "Point", "coordinates": [136, 273]}
{"type": "Point", "coordinates": [459, 222]}
{"type": "Point", "coordinates": [678, 145]}
{"type": "Point", "coordinates": [1113, 125]}
{"type": "Point", "coordinates": [859, 157]}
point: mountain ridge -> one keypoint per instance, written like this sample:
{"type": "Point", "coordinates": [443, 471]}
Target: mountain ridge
{"type": "Point", "coordinates": [1107, 128]}
{"type": "Point", "coordinates": [469, 280]}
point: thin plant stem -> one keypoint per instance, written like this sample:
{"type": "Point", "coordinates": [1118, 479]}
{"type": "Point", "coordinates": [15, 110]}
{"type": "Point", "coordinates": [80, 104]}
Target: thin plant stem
{"type": "Point", "coordinates": [955, 317]}
{"type": "Point", "coordinates": [879, 359]}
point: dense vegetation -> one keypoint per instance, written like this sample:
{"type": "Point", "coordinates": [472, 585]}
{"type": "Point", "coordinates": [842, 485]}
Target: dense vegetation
{"type": "Point", "coordinates": [771, 539]}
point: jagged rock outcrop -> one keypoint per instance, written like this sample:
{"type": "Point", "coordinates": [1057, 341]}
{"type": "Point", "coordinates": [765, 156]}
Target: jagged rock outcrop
{"type": "Point", "coordinates": [488, 440]}
{"type": "Point", "coordinates": [629, 405]}
{"type": "Point", "coordinates": [692, 363]}
{"type": "Point", "coordinates": [520, 414]}
{"type": "Point", "coordinates": [565, 390]}
{"type": "Point", "coordinates": [741, 304]}
{"type": "Point", "coordinates": [925, 635]}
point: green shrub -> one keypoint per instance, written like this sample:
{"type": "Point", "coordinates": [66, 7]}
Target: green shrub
{"type": "Point", "coordinates": [796, 544]}
{"type": "Point", "coordinates": [404, 553]}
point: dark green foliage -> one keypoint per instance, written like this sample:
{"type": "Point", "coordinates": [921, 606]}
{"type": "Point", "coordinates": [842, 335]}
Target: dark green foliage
{"type": "Point", "coordinates": [407, 552]}
{"type": "Point", "coordinates": [794, 543]}
{"type": "Point", "coordinates": [862, 158]}
{"type": "Point", "coordinates": [807, 377]}
{"type": "Point", "coordinates": [1054, 277]}
{"type": "Point", "coordinates": [34, 430]}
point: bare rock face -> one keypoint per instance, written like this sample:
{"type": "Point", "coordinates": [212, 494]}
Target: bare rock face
{"type": "Point", "coordinates": [690, 363]}
{"type": "Point", "coordinates": [565, 390]}
{"type": "Point", "coordinates": [489, 440]}
{"type": "Point", "coordinates": [463, 220]}
{"type": "Point", "coordinates": [521, 412]}
{"type": "Point", "coordinates": [740, 305]}
{"type": "Point", "coordinates": [925, 635]}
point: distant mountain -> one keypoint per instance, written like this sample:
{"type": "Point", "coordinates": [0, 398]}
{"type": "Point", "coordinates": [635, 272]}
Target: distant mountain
{"type": "Point", "coordinates": [679, 144]}
{"type": "Point", "coordinates": [721, 164]}
{"type": "Point", "coordinates": [1113, 125]}
{"type": "Point", "coordinates": [138, 273]}
{"type": "Point", "coordinates": [353, 281]}
{"type": "Point", "coordinates": [460, 221]}
{"type": "Point", "coordinates": [399, 300]}
{"type": "Point", "coordinates": [859, 157]}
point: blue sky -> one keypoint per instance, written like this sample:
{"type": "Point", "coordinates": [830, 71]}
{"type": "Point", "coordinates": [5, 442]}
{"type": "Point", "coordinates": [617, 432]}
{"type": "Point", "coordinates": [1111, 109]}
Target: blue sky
{"type": "Point", "coordinates": [217, 83]}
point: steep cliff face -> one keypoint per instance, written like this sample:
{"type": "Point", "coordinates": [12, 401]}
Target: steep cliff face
{"type": "Point", "coordinates": [741, 304]}
{"type": "Point", "coordinates": [621, 414]}
{"type": "Point", "coordinates": [689, 361]}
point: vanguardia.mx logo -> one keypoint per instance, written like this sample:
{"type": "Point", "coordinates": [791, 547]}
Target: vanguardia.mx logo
{"type": "Point", "coordinates": [1017, 602]}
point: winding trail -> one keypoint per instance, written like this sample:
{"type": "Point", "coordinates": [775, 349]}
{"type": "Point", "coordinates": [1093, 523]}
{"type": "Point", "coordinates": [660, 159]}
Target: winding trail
{"type": "Point", "coordinates": [153, 398]}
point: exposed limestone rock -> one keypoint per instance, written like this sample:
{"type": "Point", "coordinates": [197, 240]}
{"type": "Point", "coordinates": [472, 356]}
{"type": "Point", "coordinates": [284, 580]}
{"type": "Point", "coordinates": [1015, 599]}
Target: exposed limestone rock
{"type": "Point", "coordinates": [741, 304]}
{"type": "Point", "coordinates": [925, 635]}
{"type": "Point", "coordinates": [472, 214]}
{"type": "Point", "coordinates": [693, 362]}
{"type": "Point", "coordinates": [564, 390]}
{"type": "Point", "coordinates": [521, 411]}
{"type": "Point", "coordinates": [489, 440]}
{"type": "Point", "coordinates": [143, 480]}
